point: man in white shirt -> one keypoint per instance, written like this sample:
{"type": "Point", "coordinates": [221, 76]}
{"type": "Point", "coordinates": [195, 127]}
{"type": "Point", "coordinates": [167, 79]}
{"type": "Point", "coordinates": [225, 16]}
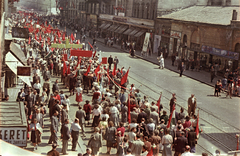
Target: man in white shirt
{"type": "Point", "coordinates": [37, 86]}
{"type": "Point", "coordinates": [75, 128]}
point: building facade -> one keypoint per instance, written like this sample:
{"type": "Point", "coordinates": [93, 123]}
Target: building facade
{"type": "Point", "coordinates": [210, 40]}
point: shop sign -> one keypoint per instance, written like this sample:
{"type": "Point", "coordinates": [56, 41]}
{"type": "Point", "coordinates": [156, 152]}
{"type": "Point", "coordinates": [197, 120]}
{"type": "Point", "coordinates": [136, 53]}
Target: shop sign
{"type": "Point", "coordinates": [145, 43]}
{"type": "Point", "coordinates": [175, 34]}
{"type": "Point", "coordinates": [195, 47]}
{"type": "Point", "coordinates": [220, 52]}
{"type": "Point", "coordinates": [14, 135]}
{"type": "Point", "coordinates": [119, 19]}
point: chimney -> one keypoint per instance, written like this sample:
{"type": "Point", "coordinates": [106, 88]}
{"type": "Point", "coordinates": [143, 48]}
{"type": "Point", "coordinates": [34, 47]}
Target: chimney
{"type": "Point", "coordinates": [234, 15]}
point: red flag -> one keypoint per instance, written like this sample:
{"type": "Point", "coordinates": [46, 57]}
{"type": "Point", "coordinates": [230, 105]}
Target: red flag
{"type": "Point", "coordinates": [88, 70]}
{"type": "Point", "coordinates": [29, 40]}
{"type": "Point", "coordinates": [64, 67]}
{"type": "Point", "coordinates": [158, 102]}
{"type": "Point", "coordinates": [94, 54]}
{"type": "Point", "coordinates": [72, 37]}
{"type": "Point", "coordinates": [79, 61]}
{"type": "Point", "coordinates": [129, 115]}
{"type": "Point", "coordinates": [68, 70]}
{"type": "Point", "coordinates": [197, 127]}
{"type": "Point", "coordinates": [150, 153]}
{"type": "Point", "coordinates": [59, 35]}
{"type": "Point", "coordinates": [97, 69]}
{"type": "Point", "coordinates": [124, 78]}
{"type": "Point", "coordinates": [78, 42]}
{"type": "Point", "coordinates": [170, 118]}
{"type": "Point", "coordinates": [114, 70]}
{"type": "Point", "coordinates": [40, 37]}
{"type": "Point", "coordinates": [42, 45]}
{"type": "Point", "coordinates": [90, 45]}
{"type": "Point", "coordinates": [63, 38]}
{"type": "Point", "coordinates": [122, 70]}
{"type": "Point", "coordinates": [55, 39]}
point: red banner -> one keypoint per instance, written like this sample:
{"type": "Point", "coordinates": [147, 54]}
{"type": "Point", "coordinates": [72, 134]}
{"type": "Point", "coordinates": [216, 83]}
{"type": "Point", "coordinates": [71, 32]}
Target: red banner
{"type": "Point", "coordinates": [65, 57]}
{"type": "Point", "coordinates": [83, 53]}
{"type": "Point", "coordinates": [104, 60]}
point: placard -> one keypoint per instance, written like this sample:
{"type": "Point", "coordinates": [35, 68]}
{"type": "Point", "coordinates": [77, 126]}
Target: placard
{"type": "Point", "coordinates": [104, 60]}
{"type": "Point", "coordinates": [20, 32]}
{"type": "Point", "coordinates": [83, 53]}
{"type": "Point", "coordinates": [23, 70]}
{"type": "Point", "coordinates": [14, 135]}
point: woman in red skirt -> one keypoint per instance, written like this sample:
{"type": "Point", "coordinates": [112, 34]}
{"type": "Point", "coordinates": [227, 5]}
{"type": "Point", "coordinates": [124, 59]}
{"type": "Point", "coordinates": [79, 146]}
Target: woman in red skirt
{"type": "Point", "coordinates": [79, 94]}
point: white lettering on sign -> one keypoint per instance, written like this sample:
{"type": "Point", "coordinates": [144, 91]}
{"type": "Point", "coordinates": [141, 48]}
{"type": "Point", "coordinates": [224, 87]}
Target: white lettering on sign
{"type": "Point", "coordinates": [14, 135]}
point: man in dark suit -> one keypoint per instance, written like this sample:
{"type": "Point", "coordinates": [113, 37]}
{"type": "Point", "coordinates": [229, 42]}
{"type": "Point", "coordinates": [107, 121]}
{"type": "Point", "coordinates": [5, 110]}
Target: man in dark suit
{"type": "Point", "coordinates": [55, 86]}
{"type": "Point", "coordinates": [180, 144]}
{"type": "Point", "coordinates": [110, 62]}
{"type": "Point", "coordinates": [64, 114]}
{"type": "Point", "coordinates": [29, 100]}
{"type": "Point", "coordinates": [50, 105]}
{"type": "Point", "coordinates": [181, 69]}
{"type": "Point", "coordinates": [47, 74]}
{"type": "Point", "coordinates": [192, 138]}
{"type": "Point", "coordinates": [141, 115]}
{"type": "Point", "coordinates": [46, 85]}
{"type": "Point", "coordinates": [54, 128]}
{"type": "Point", "coordinates": [35, 78]}
{"type": "Point", "coordinates": [65, 134]}
{"type": "Point", "coordinates": [80, 114]}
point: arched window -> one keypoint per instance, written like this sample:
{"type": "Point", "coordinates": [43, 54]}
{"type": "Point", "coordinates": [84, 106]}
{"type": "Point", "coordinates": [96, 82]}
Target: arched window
{"type": "Point", "coordinates": [153, 11]}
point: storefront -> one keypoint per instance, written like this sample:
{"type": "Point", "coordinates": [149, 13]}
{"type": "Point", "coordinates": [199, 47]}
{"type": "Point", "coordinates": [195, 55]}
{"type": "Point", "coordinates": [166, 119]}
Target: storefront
{"type": "Point", "coordinates": [174, 44]}
{"type": "Point", "coordinates": [126, 28]}
{"type": "Point", "coordinates": [13, 124]}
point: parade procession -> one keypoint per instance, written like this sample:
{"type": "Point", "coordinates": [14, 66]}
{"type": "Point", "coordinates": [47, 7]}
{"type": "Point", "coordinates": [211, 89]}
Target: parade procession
{"type": "Point", "coordinates": [83, 90]}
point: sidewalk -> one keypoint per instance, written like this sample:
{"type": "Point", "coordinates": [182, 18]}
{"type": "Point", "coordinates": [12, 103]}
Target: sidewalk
{"type": "Point", "coordinates": [202, 76]}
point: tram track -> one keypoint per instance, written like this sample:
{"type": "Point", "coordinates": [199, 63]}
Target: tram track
{"type": "Point", "coordinates": [202, 110]}
{"type": "Point", "coordinates": [227, 135]}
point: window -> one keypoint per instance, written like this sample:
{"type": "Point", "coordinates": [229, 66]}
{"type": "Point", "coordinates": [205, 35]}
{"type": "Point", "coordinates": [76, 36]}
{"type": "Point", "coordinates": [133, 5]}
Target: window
{"type": "Point", "coordinates": [97, 8]}
{"type": "Point", "coordinates": [216, 2]}
{"type": "Point", "coordinates": [148, 11]}
{"type": "Point", "coordinates": [142, 12]}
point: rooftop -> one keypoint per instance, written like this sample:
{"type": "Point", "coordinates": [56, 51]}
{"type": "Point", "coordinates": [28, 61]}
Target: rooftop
{"type": "Point", "coordinates": [204, 14]}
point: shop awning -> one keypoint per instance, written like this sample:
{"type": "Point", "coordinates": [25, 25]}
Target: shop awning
{"type": "Point", "coordinates": [121, 29]}
{"type": "Point", "coordinates": [128, 31]}
{"type": "Point", "coordinates": [106, 26]}
{"type": "Point", "coordinates": [12, 62]}
{"type": "Point", "coordinates": [140, 33]}
{"type": "Point", "coordinates": [17, 51]}
{"type": "Point", "coordinates": [113, 27]}
{"type": "Point", "coordinates": [136, 30]}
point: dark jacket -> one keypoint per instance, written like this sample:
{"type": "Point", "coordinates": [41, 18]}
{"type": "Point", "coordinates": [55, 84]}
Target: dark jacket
{"type": "Point", "coordinates": [180, 144]}
{"type": "Point", "coordinates": [65, 132]}
{"type": "Point", "coordinates": [110, 60]}
{"type": "Point", "coordinates": [192, 138]}
{"type": "Point", "coordinates": [140, 116]}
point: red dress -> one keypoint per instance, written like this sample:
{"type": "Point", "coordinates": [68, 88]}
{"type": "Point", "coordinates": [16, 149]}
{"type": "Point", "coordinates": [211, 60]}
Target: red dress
{"type": "Point", "coordinates": [79, 94]}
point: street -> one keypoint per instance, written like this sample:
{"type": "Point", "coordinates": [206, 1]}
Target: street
{"type": "Point", "coordinates": [219, 112]}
